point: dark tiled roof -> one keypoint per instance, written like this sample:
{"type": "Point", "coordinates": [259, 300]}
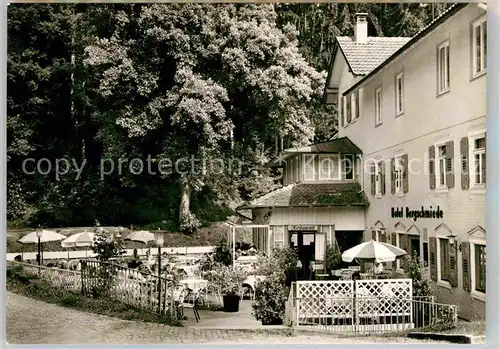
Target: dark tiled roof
{"type": "Point", "coordinates": [312, 194]}
{"type": "Point", "coordinates": [340, 145]}
{"type": "Point", "coordinates": [363, 58]}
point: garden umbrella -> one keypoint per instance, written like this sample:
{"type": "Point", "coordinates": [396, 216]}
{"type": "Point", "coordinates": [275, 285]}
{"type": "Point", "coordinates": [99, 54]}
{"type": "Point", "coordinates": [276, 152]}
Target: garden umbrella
{"type": "Point", "coordinates": [45, 236]}
{"type": "Point", "coordinates": [84, 238]}
{"type": "Point", "coordinates": [373, 251]}
{"type": "Point", "coordinates": [143, 236]}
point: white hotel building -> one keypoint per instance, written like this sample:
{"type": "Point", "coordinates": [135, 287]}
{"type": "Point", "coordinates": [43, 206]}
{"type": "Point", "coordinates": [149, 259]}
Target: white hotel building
{"type": "Point", "coordinates": [413, 110]}
{"type": "Point", "coordinates": [418, 114]}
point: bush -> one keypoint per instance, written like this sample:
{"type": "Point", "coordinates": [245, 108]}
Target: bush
{"type": "Point", "coordinates": [222, 253]}
{"type": "Point", "coordinates": [416, 271]}
{"type": "Point", "coordinates": [281, 261]}
{"type": "Point", "coordinates": [189, 223]}
{"type": "Point", "coordinates": [333, 258]}
{"type": "Point", "coordinates": [106, 247]}
{"type": "Point", "coordinates": [271, 293]}
{"type": "Point", "coordinates": [270, 299]}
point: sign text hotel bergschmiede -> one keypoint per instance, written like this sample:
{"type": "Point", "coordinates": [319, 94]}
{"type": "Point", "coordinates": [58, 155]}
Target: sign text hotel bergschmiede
{"type": "Point", "coordinates": [406, 212]}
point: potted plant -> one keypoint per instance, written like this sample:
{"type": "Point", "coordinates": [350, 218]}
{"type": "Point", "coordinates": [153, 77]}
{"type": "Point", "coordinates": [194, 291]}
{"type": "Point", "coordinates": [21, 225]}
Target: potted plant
{"type": "Point", "coordinates": [230, 283]}
{"type": "Point", "coordinates": [270, 300]}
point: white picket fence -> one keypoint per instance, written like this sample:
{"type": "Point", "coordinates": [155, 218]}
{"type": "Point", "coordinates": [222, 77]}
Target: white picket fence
{"type": "Point", "coordinates": [364, 306]}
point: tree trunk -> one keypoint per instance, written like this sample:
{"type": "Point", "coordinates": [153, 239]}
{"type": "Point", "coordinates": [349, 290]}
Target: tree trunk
{"type": "Point", "coordinates": [185, 201]}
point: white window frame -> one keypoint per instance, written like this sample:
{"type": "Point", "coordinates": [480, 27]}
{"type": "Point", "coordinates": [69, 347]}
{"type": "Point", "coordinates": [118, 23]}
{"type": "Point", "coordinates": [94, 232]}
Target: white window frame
{"type": "Point", "coordinates": [331, 174]}
{"type": "Point", "coordinates": [437, 167]}
{"type": "Point", "coordinates": [478, 25]}
{"type": "Point", "coordinates": [377, 235]}
{"type": "Point", "coordinates": [282, 240]}
{"type": "Point", "coordinates": [441, 282]}
{"type": "Point", "coordinates": [378, 105]}
{"type": "Point", "coordinates": [354, 106]}
{"type": "Point", "coordinates": [307, 159]}
{"type": "Point", "coordinates": [353, 168]}
{"type": "Point", "coordinates": [472, 160]}
{"type": "Point", "coordinates": [443, 68]}
{"type": "Point", "coordinates": [400, 99]}
{"type": "Point", "coordinates": [472, 266]}
{"type": "Point", "coordinates": [378, 178]}
{"type": "Point", "coordinates": [398, 176]}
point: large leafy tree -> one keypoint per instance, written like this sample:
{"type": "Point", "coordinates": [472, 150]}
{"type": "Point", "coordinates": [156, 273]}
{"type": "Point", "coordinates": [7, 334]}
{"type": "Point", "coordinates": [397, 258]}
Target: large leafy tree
{"type": "Point", "coordinates": [197, 78]}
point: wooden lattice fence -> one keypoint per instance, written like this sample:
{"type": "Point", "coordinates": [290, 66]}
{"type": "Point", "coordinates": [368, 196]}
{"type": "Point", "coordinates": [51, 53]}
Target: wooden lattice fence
{"type": "Point", "coordinates": [61, 278]}
{"type": "Point", "coordinates": [365, 306]}
{"type": "Point", "coordinates": [145, 291]}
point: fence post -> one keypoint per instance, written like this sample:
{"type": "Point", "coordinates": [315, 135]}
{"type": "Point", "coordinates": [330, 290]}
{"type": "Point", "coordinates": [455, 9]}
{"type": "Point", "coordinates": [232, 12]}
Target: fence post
{"type": "Point", "coordinates": [83, 265]}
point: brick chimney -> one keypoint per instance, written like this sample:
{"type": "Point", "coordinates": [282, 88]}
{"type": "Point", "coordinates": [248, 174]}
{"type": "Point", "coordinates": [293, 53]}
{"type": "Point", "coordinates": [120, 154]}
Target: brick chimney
{"type": "Point", "coordinates": [361, 29]}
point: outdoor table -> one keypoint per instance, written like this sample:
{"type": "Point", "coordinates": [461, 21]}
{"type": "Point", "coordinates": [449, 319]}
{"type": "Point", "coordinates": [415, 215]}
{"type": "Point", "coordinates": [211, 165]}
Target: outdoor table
{"type": "Point", "coordinates": [194, 284]}
{"type": "Point", "coordinates": [251, 280]}
{"type": "Point", "coordinates": [189, 269]}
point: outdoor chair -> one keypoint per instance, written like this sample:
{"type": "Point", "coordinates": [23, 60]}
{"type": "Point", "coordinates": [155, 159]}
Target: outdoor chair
{"type": "Point", "coordinates": [190, 301]}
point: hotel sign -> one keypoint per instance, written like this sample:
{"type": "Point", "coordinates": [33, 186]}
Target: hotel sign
{"type": "Point", "coordinates": [406, 212]}
{"type": "Point", "coordinates": [302, 228]}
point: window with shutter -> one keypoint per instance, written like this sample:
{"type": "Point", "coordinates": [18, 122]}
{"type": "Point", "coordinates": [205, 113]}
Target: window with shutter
{"type": "Point", "coordinates": [466, 266]}
{"type": "Point", "coordinates": [382, 177]}
{"type": "Point", "coordinates": [406, 176]}
{"type": "Point", "coordinates": [452, 252]}
{"type": "Point", "coordinates": [441, 170]}
{"type": "Point", "coordinates": [393, 175]}
{"type": "Point", "coordinates": [464, 155]}
{"type": "Point", "coordinates": [342, 112]}
{"type": "Point", "coordinates": [478, 266]}
{"type": "Point", "coordinates": [373, 177]}
{"type": "Point", "coordinates": [478, 175]}
{"type": "Point", "coordinates": [379, 177]}
{"type": "Point", "coordinates": [433, 258]}
{"type": "Point", "coordinates": [432, 170]}
{"type": "Point", "coordinates": [398, 174]}
{"type": "Point", "coordinates": [444, 259]}
{"type": "Point", "coordinates": [450, 159]}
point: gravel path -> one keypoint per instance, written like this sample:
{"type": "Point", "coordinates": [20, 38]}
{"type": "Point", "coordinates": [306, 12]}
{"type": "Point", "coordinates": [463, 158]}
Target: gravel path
{"type": "Point", "coordinates": [31, 321]}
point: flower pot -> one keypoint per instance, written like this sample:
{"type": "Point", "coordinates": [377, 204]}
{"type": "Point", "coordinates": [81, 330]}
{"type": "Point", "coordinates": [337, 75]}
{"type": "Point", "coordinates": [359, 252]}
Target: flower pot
{"type": "Point", "coordinates": [231, 303]}
{"type": "Point", "coordinates": [272, 322]}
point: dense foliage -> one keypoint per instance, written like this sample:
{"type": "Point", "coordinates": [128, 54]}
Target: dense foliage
{"type": "Point", "coordinates": [271, 293]}
{"type": "Point", "coordinates": [333, 258]}
{"type": "Point", "coordinates": [90, 84]}
{"type": "Point", "coordinates": [417, 272]}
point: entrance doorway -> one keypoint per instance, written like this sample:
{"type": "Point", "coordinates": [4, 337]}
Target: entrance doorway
{"type": "Point", "coordinates": [304, 242]}
{"type": "Point", "coordinates": [414, 244]}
